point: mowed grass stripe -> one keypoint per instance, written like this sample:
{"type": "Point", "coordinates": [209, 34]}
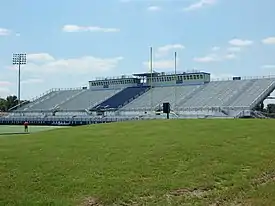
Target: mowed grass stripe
{"type": "Point", "coordinates": [144, 162]}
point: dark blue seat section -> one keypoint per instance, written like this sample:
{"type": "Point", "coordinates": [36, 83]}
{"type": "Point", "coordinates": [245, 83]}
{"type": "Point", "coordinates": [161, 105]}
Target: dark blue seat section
{"type": "Point", "coordinates": [121, 97]}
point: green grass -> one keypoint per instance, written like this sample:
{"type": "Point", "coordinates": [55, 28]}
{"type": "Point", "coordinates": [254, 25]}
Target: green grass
{"type": "Point", "coordinates": [13, 129]}
{"type": "Point", "coordinates": [176, 162]}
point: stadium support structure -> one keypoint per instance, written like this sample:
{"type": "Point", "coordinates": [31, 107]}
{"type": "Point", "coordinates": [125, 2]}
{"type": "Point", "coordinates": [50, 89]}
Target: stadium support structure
{"type": "Point", "coordinates": [140, 96]}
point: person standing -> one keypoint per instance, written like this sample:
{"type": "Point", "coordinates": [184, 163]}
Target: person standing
{"type": "Point", "coordinates": [26, 126]}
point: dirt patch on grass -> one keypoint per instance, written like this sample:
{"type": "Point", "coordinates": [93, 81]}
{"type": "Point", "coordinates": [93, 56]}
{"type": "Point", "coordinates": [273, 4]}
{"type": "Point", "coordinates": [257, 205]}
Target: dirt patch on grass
{"type": "Point", "coordinates": [195, 192]}
{"type": "Point", "coordinates": [91, 201]}
{"type": "Point", "coordinates": [264, 179]}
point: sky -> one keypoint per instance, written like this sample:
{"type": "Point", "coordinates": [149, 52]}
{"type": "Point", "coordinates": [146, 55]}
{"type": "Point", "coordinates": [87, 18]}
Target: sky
{"type": "Point", "coordinates": [71, 42]}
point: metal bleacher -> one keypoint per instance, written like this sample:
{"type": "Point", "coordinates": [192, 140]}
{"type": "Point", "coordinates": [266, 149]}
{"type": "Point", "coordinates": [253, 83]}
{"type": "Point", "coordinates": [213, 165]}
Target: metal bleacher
{"type": "Point", "coordinates": [49, 101]}
{"type": "Point", "coordinates": [43, 97]}
{"type": "Point", "coordinates": [215, 98]}
{"type": "Point", "coordinates": [158, 95]}
{"type": "Point", "coordinates": [122, 97]}
{"type": "Point", "coordinates": [254, 94]}
{"type": "Point", "coordinates": [237, 95]}
{"type": "Point", "coordinates": [87, 99]}
{"type": "Point", "coordinates": [216, 94]}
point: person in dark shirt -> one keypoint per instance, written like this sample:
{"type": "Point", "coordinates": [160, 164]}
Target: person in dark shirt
{"type": "Point", "coordinates": [26, 126]}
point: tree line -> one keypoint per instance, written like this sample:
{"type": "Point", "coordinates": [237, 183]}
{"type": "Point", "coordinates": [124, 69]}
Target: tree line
{"type": "Point", "coordinates": [9, 102]}
{"type": "Point", "coordinates": [268, 111]}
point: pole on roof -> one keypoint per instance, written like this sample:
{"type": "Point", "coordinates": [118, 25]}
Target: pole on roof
{"type": "Point", "coordinates": [151, 79]}
{"type": "Point", "coordinates": [175, 81]}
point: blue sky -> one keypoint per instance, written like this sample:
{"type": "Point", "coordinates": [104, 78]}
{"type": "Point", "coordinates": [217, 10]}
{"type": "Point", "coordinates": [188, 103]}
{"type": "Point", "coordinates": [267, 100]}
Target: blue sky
{"type": "Point", "coordinates": [71, 42]}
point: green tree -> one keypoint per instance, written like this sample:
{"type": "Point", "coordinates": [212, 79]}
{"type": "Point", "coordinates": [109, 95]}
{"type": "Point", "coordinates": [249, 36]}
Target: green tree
{"type": "Point", "coordinates": [260, 107]}
{"type": "Point", "coordinates": [3, 105]}
{"type": "Point", "coordinates": [271, 108]}
{"type": "Point", "coordinates": [11, 101]}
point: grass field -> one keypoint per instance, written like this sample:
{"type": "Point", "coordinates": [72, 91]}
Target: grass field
{"type": "Point", "coordinates": [175, 162]}
{"type": "Point", "coordinates": [17, 129]}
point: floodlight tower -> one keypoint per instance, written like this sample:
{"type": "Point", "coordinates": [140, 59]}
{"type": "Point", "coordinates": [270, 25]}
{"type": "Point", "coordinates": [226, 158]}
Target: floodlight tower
{"type": "Point", "coordinates": [19, 59]}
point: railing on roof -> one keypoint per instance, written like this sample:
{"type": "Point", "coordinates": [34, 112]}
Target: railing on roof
{"type": "Point", "coordinates": [113, 78]}
{"type": "Point", "coordinates": [187, 72]}
{"type": "Point", "coordinates": [131, 76]}
{"type": "Point", "coordinates": [67, 89]}
{"type": "Point", "coordinates": [243, 78]}
{"type": "Point", "coordinates": [179, 72]}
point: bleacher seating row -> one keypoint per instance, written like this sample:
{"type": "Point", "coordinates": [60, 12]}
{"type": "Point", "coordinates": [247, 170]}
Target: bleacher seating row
{"type": "Point", "coordinates": [231, 97]}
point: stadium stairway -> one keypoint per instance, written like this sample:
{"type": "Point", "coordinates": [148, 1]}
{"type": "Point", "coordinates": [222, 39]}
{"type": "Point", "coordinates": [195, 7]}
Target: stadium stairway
{"type": "Point", "coordinates": [121, 98]}
{"type": "Point", "coordinates": [253, 96]}
{"type": "Point", "coordinates": [264, 94]}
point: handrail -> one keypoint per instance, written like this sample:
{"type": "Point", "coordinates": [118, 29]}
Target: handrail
{"type": "Point", "coordinates": [182, 72]}
{"type": "Point", "coordinates": [265, 92]}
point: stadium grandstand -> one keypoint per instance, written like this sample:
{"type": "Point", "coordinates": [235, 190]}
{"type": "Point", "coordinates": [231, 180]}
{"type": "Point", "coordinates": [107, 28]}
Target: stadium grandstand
{"type": "Point", "coordinates": [141, 96]}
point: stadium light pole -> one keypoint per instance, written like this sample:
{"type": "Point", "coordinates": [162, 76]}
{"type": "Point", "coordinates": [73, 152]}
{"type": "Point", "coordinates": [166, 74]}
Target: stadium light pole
{"type": "Point", "coordinates": [19, 59]}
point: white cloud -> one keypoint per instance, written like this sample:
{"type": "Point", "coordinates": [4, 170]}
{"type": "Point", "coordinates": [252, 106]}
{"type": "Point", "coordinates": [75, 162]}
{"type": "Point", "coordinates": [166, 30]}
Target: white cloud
{"type": "Point", "coordinates": [161, 64]}
{"type": "Point", "coordinates": [269, 40]}
{"type": "Point", "coordinates": [32, 81]}
{"type": "Point", "coordinates": [4, 32]}
{"type": "Point", "coordinates": [4, 92]}
{"type": "Point", "coordinates": [165, 50]}
{"type": "Point", "coordinates": [4, 89]}
{"type": "Point", "coordinates": [234, 49]}
{"type": "Point", "coordinates": [5, 83]}
{"type": "Point", "coordinates": [40, 57]}
{"type": "Point", "coordinates": [222, 54]}
{"type": "Point", "coordinates": [153, 8]}
{"type": "Point", "coordinates": [215, 48]}
{"type": "Point", "coordinates": [207, 58]}
{"type": "Point", "coordinates": [214, 58]}
{"type": "Point", "coordinates": [268, 66]}
{"type": "Point", "coordinates": [200, 4]}
{"type": "Point", "coordinates": [230, 56]}
{"type": "Point", "coordinates": [81, 65]}
{"type": "Point", "coordinates": [76, 28]}
{"type": "Point", "coordinates": [240, 42]}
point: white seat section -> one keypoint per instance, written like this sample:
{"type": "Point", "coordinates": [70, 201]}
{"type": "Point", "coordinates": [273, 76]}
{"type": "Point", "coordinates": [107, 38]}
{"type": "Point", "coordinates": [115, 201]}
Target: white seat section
{"type": "Point", "coordinates": [252, 93]}
{"type": "Point", "coordinates": [183, 93]}
{"type": "Point", "coordinates": [156, 95]}
{"type": "Point", "coordinates": [37, 101]}
{"type": "Point", "coordinates": [235, 89]}
{"type": "Point", "coordinates": [87, 99]}
{"type": "Point", "coordinates": [50, 101]}
{"type": "Point", "coordinates": [216, 94]}
{"type": "Point", "coordinates": [159, 95]}
{"type": "Point", "coordinates": [205, 94]}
